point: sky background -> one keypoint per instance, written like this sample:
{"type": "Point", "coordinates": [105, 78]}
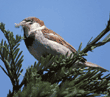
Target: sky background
{"type": "Point", "coordinates": [75, 20]}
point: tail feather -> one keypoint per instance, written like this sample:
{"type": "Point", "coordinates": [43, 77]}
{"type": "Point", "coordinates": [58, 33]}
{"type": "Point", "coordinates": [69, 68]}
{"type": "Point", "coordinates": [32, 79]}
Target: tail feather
{"type": "Point", "coordinates": [89, 64]}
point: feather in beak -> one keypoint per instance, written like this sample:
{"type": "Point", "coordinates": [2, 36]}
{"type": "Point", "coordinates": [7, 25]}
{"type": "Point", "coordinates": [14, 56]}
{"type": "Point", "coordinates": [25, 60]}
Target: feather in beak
{"type": "Point", "coordinates": [20, 24]}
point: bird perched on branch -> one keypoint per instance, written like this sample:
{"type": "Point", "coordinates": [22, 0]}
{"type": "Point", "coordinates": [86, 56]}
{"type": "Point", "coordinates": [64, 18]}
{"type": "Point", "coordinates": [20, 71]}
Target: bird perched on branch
{"type": "Point", "coordinates": [42, 41]}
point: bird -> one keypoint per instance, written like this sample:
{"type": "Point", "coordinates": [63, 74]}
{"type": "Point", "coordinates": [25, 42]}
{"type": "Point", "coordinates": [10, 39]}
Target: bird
{"type": "Point", "coordinates": [41, 41]}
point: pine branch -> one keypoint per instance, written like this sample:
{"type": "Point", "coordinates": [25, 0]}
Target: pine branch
{"type": "Point", "coordinates": [91, 45]}
{"type": "Point", "coordinates": [12, 59]}
{"type": "Point", "coordinates": [74, 82]}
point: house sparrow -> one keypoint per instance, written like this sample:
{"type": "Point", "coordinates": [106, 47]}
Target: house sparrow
{"type": "Point", "coordinates": [42, 41]}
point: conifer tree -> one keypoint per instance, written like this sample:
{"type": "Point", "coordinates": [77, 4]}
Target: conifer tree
{"type": "Point", "coordinates": [60, 79]}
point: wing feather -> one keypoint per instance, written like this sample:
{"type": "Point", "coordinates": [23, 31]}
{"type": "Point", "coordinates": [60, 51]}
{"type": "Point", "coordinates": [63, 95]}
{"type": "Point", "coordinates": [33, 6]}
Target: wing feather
{"type": "Point", "coordinates": [51, 35]}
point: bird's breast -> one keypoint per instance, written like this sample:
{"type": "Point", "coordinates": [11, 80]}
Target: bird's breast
{"type": "Point", "coordinates": [40, 46]}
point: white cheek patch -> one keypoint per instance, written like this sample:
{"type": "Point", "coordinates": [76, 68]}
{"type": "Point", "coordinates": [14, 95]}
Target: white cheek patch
{"type": "Point", "coordinates": [36, 26]}
{"type": "Point", "coordinates": [33, 27]}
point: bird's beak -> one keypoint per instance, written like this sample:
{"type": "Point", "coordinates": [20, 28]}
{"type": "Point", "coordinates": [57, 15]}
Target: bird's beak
{"type": "Point", "coordinates": [20, 24]}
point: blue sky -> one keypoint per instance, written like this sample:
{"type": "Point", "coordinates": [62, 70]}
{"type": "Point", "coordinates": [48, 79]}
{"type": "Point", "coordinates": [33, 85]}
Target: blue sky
{"type": "Point", "coordinates": [75, 20]}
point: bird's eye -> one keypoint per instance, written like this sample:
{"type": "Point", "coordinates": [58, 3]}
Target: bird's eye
{"type": "Point", "coordinates": [28, 20]}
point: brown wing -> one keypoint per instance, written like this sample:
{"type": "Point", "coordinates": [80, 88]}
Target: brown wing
{"type": "Point", "coordinates": [55, 37]}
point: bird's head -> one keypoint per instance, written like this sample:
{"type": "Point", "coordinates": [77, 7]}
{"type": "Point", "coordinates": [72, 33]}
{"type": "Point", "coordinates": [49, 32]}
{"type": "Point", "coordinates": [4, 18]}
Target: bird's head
{"type": "Point", "coordinates": [30, 24]}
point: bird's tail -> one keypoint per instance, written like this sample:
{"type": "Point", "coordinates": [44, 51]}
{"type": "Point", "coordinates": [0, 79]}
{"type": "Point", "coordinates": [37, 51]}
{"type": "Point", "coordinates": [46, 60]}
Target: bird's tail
{"type": "Point", "coordinates": [89, 64]}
